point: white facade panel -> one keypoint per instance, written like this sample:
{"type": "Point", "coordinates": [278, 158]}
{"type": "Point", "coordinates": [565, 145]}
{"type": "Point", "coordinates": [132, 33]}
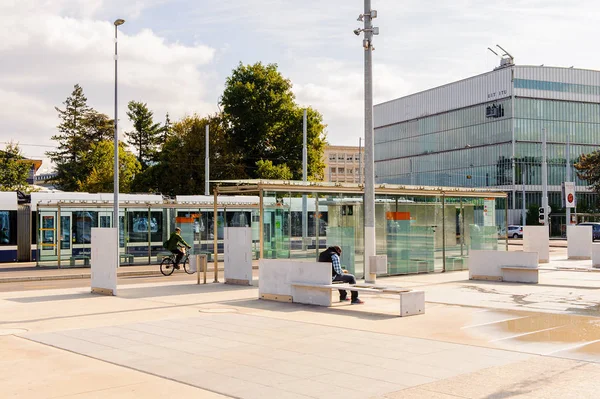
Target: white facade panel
{"type": "Point", "coordinates": [479, 89]}
{"type": "Point", "coordinates": [8, 201]}
{"type": "Point", "coordinates": [571, 84]}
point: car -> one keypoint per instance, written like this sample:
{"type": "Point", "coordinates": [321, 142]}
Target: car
{"type": "Point", "coordinates": [595, 229]}
{"type": "Point", "coordinates": [515, 231]}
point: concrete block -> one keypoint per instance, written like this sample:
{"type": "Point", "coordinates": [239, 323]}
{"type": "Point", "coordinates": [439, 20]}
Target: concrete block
{"type": "Point", "coordinates": [579, 242]}
{"type": "Point", "coordinates": [536, 239]}
{"type": "Point", "coordinates": [596, 255]}
{"type": "Point", "coordinates": [312, 296]}
{"type": "Point", "coordinates": [412, 303]}
{"type": "Point", "coordinates": [379, 264]}
{"type": "Point", "coordinates": [521, 275]}
{"type": "Point", "coordinates": [489, 263]}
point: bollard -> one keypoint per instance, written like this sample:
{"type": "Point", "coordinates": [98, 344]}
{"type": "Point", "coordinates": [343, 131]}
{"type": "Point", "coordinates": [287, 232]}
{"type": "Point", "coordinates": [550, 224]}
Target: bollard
{"type": "Point", "coordinates": [203, 261]}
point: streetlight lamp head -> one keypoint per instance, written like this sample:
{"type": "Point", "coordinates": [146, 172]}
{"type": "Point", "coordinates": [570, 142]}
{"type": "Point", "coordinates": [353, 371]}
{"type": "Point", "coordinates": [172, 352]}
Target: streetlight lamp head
{"type": "Point", "coordinates": [360, 18]}
{"type": "Point", "coordinates": [357, 31]}
{"type": "Point", "coordinates": [119, 22]}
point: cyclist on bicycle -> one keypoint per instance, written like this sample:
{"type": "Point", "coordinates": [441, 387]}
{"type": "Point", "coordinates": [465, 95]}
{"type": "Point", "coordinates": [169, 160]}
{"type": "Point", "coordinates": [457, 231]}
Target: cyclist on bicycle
{"type": "Point", "coordinates": [172, 244]}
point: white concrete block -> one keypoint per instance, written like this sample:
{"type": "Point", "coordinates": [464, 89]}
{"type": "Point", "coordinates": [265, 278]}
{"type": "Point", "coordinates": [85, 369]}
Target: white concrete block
{"type": "Point", "coordinates": [536, 239]}
{"type": "Point", "coordinates": [489, 263]}
{"type": "Point", "coordinates": [104, 252]}
{"type": "Point", "coordinates": [412, 303]}
{"type": "Point", "coordinates": [238, 254]}
{"type": "Point", "coordinates": [579, 242]}
{"type": "Point", "coordinates": [274, 277]}
{"type": "Point", "coordinates": [379, 263]}
{"type": "Point", "coordinates": [596, 255]}
{"type": "Point", "coordinates": [312, 296]}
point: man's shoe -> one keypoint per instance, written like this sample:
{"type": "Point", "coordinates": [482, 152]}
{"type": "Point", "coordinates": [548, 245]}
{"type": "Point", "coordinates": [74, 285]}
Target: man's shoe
{"type": "Point", "coordinates": [344, 299]}
{"type": "Point", "coordinates": [357, 302]}
{"type": "Point", "coordinates": [177, 267]}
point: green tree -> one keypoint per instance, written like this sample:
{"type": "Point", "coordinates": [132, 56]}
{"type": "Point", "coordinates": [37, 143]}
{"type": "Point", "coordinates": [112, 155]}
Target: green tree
{"type": "Point", "coordinates": [81, 127]}
{"type": "Point", "coordinates": [180, 164]}
{"type": "Point", "coordinates": [71, 140]}
{"type": "Point", "coordinates": [166, 130]}
{"type": "Point", "coordinates": [266, 170]}
{"type": "Point", "coordinates": [101, 177]}
{"type": "Point", "coordinates": [14, 169]}
{"type": "Point", "coordinates": [264, 122]}
{"type": "Point", "coordinates": [146, 136]}
{"type": "Point", "coordinates": [588, 168]}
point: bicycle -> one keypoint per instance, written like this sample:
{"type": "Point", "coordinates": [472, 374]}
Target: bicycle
{"type": "Point", "coordinates": [167, 266]}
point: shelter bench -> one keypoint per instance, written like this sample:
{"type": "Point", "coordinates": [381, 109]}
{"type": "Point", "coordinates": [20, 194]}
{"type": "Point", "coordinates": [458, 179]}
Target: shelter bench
{"type": "Point", "coordinates": [85, 258]}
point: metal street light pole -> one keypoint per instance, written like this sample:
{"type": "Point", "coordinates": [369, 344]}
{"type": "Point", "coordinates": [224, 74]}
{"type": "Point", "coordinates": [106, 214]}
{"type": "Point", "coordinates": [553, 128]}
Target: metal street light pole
{"type": "Point", "coordinates": [544, 176]}
{"type": "Point", "coordinates": [304, 178]}
{"type": "Point", "coordinates": [116, 223]}
{"type": "Point", "coordinates": [207, 164]}
{"type": "Point", "coordinates": [369, 191]}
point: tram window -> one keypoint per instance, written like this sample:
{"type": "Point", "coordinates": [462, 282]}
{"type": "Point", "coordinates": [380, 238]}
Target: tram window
{"type": "Point", "coordinates": [139, 225]}
{"type": "Point", "coordinates": [8, 230]}
{"type": "Point", "coordinates": [83, 222]}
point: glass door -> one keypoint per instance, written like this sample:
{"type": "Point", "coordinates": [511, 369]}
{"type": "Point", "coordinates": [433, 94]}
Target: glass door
{"type": "Point", "coordinates": [47, 238]}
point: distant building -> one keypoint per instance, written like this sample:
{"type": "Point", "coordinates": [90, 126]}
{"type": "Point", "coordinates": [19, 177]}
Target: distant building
{"type": "Point", "coordinates": [343, 164]}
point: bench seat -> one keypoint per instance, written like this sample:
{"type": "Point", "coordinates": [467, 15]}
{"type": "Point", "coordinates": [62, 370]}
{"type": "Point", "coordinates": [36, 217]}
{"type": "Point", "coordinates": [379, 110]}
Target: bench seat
{"type": "Point", "coordinates": [411, 302]}
{"type": "Point", "coordinates": [85, 258]}
{"type": "Point", "coordinates": [520, 274]}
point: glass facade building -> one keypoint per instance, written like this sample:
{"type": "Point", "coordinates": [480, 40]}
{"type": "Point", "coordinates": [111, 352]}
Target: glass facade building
{"type": "Point", "coordinates": [486, 131]}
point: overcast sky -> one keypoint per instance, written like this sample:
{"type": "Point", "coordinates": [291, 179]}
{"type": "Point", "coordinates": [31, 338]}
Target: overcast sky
{"type": "Point", "coordinates": [176, 54]}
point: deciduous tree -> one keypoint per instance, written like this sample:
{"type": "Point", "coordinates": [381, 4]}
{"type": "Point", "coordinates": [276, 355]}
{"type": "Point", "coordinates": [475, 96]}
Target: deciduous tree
{"type": "Point", "coordinates": [14, 169]}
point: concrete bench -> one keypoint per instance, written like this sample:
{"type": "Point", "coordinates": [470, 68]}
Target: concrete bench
{"type": "Point", "coordinates": [520, 274]}
{"type": "Point", "coordinates": [503, 266]}
{"type": "Point", "coordinates": [310, 283]}
{"type": "Point", "coordinates": [411, 302]}
{"type": "Point", "coordinates": [85, 258]}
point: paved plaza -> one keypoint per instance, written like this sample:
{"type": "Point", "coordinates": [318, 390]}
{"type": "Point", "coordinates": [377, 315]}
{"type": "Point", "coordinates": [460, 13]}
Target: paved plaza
{"type": "Point", "coordinates": [178, 339]}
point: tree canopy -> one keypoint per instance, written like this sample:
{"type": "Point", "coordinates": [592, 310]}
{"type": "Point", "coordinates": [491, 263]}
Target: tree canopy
{"type": "Point", "coordinates": [101, 177]}
{"type": "Point", "coordinates": [147, 135]}
{"type": "Point", "coordinates": [14, 169]}
{"type": "Point", "coordinates": [80, 128]}
{"type": "Point", "coordinates": [265, 123]}
{"type": "Point", "coordinates": [588, 168]}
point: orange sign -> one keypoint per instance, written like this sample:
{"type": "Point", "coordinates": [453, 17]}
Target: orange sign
{"type": "Point", "coordinates": [397, 215]}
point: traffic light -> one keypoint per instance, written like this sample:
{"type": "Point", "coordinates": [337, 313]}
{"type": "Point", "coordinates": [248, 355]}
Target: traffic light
{"type": "Point", "coordinates": [541, 215]}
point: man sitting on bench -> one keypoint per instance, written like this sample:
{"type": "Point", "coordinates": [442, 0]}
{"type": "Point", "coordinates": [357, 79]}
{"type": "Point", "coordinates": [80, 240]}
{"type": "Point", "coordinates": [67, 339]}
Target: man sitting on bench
{"type": "Point", "coordinates": [332, 254]}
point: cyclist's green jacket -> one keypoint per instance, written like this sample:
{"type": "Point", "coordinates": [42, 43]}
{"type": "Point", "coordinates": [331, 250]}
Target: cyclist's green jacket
{"type": "Point", "coordinates": [171, 243]}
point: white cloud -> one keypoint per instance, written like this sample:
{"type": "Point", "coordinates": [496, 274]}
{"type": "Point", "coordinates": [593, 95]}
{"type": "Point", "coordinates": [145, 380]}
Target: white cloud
{"type": "Point", "coordinates": [47, 48]}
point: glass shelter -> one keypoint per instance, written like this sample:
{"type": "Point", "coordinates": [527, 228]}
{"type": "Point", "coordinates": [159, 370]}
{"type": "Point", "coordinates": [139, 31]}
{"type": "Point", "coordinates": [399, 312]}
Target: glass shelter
{"type": "Point", "coordinates": [64, 227]}
{"type": "Point", "coordinates": [420, 229]}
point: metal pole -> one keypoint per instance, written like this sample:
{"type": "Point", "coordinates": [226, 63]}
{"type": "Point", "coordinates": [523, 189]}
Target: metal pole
{"type": "Point", "coordinates": [544, 177]}
{"type": "Point", "coordinates": [360, 180]}
{"type": "Point", "coordinates": [369, 191]}
{"type": "Point", "coordinates": [524, 213]}
{"type": "Point", "coordinates": [206, 165]}
{"type": "Point", "coordinates": [116, 155]}
{"type": "Point", "coordinates": [215, 234]}
{"type": "Point", "coordinates": [304, 179]}
{"type": "Point", "coordinates": [568, 175]}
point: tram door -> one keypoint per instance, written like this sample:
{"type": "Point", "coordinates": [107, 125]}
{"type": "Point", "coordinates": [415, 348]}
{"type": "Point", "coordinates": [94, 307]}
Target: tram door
{"type": "Point", "coordinates": [49, 242]}
{"type": "Point", "coordinates": [47, 238]}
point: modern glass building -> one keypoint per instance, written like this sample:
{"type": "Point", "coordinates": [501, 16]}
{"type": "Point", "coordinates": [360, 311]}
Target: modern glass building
{"type": "Point", "coordinates": [486, 131]}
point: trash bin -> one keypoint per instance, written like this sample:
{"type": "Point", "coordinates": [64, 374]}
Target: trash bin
{"type": "Point", "coordinates": [194, 263]}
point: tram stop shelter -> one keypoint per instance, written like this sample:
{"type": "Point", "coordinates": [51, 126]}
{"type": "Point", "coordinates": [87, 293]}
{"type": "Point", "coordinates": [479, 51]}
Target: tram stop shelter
{"type": "Point", "coordinates": [420, 229]}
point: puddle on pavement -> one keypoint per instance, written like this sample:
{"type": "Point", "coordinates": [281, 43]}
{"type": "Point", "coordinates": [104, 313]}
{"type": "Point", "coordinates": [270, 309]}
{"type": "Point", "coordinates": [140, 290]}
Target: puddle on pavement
{"type": "Point", "coordinates": [543, 333]}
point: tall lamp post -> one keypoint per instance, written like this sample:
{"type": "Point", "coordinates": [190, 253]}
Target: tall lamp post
{"type": "Point", "coordinates": [116, 223]}
{"type": "Point", "coordinates": [369, 193]}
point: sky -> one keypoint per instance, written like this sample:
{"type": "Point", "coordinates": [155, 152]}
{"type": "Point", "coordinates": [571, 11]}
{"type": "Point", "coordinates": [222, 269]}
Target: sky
{"type": "Point", "coordinates": [175, 55]}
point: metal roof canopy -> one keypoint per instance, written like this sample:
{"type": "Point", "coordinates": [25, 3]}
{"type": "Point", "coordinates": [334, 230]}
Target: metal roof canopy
{"type": "Point", "coordinates": [257, 186]}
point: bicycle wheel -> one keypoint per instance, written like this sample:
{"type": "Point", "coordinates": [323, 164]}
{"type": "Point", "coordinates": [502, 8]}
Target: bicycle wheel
{"type": "Point", "coordinates": [186, 266]}
{"type": "Point", "coordinates": [167, 266]}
